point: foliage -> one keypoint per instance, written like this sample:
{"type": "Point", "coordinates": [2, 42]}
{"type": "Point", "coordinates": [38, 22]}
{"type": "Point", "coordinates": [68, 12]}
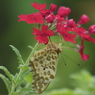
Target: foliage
{"type": "Point", "coordinates": [20, 83]}
{"type": "Point", "coordinates": [83, 82]}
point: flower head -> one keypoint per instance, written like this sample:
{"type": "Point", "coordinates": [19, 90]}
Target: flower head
{"type": "Point", "coordinates": [82, 33]}
{"type": "Point", "coordinates": [43, 34]}
{"type": "Point", "coordinates": [64, 32]}
{"type": "Point", "coordinates": [32, 18]}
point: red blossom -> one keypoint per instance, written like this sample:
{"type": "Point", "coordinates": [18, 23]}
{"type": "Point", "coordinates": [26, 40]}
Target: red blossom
{"type": "Point", "coordinates": [32, 18]}
{"type": "Point", "coordinates": [38, 6]}
{"type": "Point", "coordinates": [83, 56]}
{"type": "Point", "coordinates": [43, 34]}
{"type": "Point", "coordinates": [67, 36]}
{"type": "Point", "coordinates": [81, 32]}
{"type": "Point", "coordinates": [64, 11]}
{"type": "Point", "coordinates": [22, 17]}
{"type": "Point", "coordinates": [84, 19]}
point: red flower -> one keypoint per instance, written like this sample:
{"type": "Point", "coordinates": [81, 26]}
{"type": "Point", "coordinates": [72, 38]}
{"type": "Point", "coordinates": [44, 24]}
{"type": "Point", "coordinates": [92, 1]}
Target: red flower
{"type": "Point", "coordinates": [83, 56]}
{"type": "Point", "coordinates": [32, 18]}
{"type": "Point", "coordinates": [84, 19]}
{"type": "Point", "coordinates": [67, 36]}
{"type": "Point", "coordinates": [81, 32]}
{"type": "Point", "coordinates": [22, 17]}
{"type": "Point", "coordinates": [43, 34]}
{"type": "Point", "coordinates": [64, 11]}
{"type": "Point", "coordinates": [38, 6]}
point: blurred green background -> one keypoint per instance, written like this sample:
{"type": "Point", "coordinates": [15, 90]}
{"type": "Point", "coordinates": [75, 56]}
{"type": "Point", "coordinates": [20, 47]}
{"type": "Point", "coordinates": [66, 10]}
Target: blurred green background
{"type": "Point", "coordinates": [19, 35]}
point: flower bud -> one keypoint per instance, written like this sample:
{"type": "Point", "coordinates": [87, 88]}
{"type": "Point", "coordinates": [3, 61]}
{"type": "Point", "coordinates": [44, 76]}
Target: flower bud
{"type": "Point", "coordinates": [84, 19]}
{"type": "Point", "coordinates": [64, 11]}
{"type": "Point", "coordinates": [71, 23]}
{"type": "Point", "coordinates": [92, 29]}
{"type": "Point", "coordinates": [50, 18]}
{"type": "Point", "coordinates": [53, 7]}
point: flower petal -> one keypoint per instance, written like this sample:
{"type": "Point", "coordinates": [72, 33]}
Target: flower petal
{"type": "Point", "coordinates": [38, 6]}
{"type": "Point", "coordinates": [44, 28]}
{"type": "Point", "coordinates": [42, 39]}
{"type": "Point", "coordinates": [49, 33]}
{"type": "Point", "coordinates": [36, 31]}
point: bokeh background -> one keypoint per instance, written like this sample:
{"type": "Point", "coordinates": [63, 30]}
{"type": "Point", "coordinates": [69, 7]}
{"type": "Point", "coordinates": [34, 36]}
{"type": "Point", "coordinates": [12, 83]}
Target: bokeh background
{"type": "Point", "coordinates": [19, 34]}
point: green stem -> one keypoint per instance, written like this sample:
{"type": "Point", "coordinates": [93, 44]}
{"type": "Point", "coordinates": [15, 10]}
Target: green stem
{"type": "Point", "coordinates": [12, 89]}
{"type": "Point", "coordinates": [31, 54]}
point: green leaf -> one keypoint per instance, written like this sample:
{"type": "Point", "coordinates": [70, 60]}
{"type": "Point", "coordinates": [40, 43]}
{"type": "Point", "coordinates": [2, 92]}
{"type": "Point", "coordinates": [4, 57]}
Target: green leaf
{"type": "Point", "coordinates": [23, 67]}
{"type": "Point", "coordinates": [19, 57]}
{"type": "Point", "coordinates": [6, 81]}
{"type": "Point", "coordinates": [30, 47]}
{"type": "Point", "coordinates": [10, 76]}
{"type": "Point", "coordinates": [28, 77]}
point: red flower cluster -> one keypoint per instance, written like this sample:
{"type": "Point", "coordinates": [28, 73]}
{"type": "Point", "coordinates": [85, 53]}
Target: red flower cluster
{"type": "Point", "coordinates": [59, 24]}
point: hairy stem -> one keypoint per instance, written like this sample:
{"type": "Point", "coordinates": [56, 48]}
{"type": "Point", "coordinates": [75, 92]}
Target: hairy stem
{"type": "Point", "coordinates": [32, 52]}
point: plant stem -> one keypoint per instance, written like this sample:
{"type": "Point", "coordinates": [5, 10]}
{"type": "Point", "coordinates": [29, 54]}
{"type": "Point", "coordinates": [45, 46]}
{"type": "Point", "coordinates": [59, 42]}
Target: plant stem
{"type": "Point", "coordinates": [12, 89]}
{"type": "Point", "coordinates": [32, 52]}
